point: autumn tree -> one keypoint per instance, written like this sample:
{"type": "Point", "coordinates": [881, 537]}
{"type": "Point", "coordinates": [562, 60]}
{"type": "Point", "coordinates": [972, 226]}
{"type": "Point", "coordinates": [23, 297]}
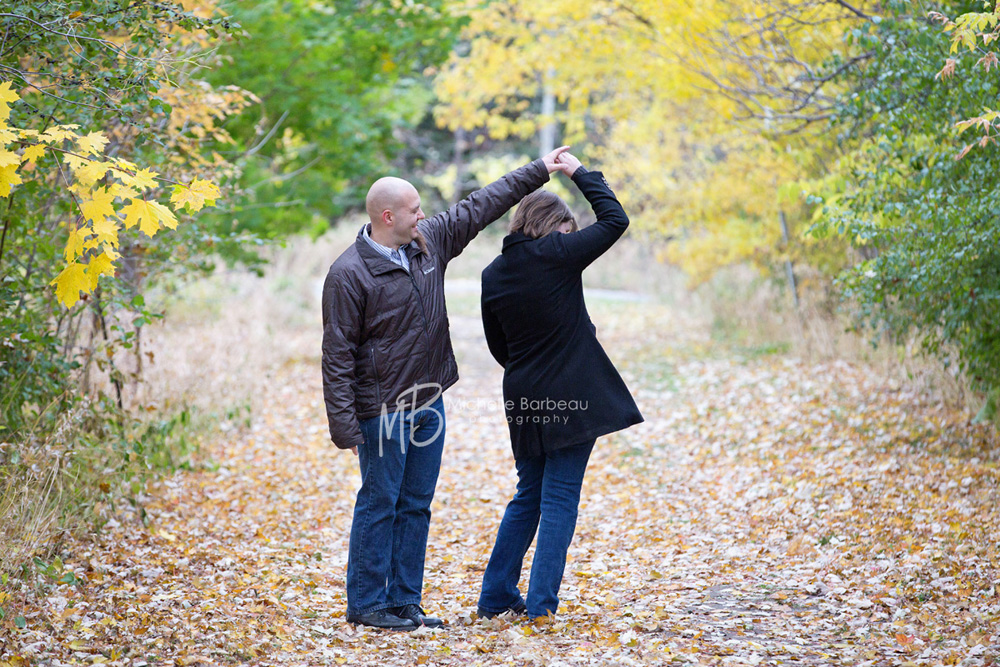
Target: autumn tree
{"type": "Point", "coordinates": [107, 136]}
{"type": "Point", "coordinates": [707, 112]}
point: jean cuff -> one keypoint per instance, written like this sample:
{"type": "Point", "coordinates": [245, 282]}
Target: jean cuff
{"type": "Point", "coordinates": [404, 602]}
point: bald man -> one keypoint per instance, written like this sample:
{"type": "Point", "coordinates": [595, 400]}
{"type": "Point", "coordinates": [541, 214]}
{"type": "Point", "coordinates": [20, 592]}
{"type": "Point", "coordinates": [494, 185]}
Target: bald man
{"type": "Point", "coordinates": [387, 360]}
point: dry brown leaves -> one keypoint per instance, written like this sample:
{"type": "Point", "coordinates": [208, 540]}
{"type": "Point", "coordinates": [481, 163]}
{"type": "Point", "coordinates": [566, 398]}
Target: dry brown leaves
{"type": "Point", "coordinates": [767, 512]}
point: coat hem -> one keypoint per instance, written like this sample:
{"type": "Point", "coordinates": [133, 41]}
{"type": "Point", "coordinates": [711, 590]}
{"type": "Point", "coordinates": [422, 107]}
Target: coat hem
{"type": "Point", "coordinates": [586, 436]}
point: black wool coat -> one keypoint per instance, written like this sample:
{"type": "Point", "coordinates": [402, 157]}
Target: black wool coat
{"type": "Point", "coordinates": [559, 386]}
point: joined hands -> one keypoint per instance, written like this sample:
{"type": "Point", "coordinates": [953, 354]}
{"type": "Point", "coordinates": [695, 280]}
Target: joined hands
{"type": "Point", "coordinates": [561, 160]}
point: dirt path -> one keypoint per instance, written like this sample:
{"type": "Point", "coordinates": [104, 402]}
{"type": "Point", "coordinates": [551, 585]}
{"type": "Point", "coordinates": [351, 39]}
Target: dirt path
{"type": "Point", "coordinates": [768, 512]}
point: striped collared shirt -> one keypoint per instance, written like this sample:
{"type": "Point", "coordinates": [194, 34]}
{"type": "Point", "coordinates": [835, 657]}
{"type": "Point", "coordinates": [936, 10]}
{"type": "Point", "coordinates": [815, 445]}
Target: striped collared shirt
{"type": "Point", "coordinates": [397, 257]}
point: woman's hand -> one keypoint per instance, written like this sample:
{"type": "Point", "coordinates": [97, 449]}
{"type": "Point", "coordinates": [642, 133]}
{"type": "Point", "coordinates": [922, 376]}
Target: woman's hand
{"type": "Point", "coordinates": [568, 164]}
{"type": "Point", "coordinates": [552, 159]}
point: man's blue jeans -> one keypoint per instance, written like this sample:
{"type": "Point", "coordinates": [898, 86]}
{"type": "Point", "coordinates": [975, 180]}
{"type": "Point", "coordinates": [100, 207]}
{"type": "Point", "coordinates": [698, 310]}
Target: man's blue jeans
{"type": "Point", "coordinates": [547, 499]}
{"type": "Point", "coordinates": [400, 460]}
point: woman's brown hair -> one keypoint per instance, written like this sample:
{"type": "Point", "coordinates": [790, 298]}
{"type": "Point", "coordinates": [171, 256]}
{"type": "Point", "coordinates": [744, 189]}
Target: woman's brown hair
{"type": "Point", "coordinates": [540, 213]}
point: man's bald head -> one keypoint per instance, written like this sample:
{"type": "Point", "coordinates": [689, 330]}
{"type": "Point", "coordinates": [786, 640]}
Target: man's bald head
{"type": "Point", "coordinates": [393, 207]}
{"type": "Point", "coordinates": [387, 194]}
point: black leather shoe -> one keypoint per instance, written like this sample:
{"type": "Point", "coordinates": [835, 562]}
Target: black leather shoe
{"type": "Point", "coordinates": [382, 618]}
{"type": "Point", "coordinates": [517, 608]}
{"type": "Point", "coordinates": [413, 612]}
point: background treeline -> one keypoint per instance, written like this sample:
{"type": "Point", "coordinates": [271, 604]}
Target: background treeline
{"type": "Point", "coordinates": [813, 141]}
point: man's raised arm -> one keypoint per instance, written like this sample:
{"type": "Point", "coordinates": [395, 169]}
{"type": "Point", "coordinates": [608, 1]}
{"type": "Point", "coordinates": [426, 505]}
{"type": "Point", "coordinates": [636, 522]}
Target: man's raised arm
{"type": "Point", "coordinates": [449, 232]}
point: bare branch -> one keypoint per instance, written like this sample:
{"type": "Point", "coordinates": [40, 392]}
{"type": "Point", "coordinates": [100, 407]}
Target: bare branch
{"type": "Point", "coordinates": [253, 150]}
{"type": "Point", "coordinates": [853, 10]}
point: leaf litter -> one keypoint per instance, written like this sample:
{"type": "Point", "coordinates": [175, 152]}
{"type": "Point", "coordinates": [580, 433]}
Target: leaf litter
{"type": "Point", "coordinates": [769, 511]}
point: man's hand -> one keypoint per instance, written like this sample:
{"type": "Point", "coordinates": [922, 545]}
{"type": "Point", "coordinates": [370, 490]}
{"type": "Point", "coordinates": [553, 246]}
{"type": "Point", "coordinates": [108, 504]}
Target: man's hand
{"type": "Point", "coordinates": [568, 163]}
{"type": "Point", "coordinates": [552, 159]}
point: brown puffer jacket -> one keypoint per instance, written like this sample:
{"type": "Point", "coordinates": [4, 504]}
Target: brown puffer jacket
{"type": "Point", "coordinates": [385, 331]}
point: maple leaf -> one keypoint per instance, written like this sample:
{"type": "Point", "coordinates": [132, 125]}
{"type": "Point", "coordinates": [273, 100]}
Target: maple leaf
{"type": "Point", "coordinates": [7, 96]}
{"type": "Point", "coordinates": [143, 179]}
{"type": "Point", "coordinates": [59, 133]}
{"type": "Point", "coordinates": [166, 216]}
{"type": "Point", "coordinates": [91, 172]}
{"type": "Point", "coordinates": [32, 153]}
{"type": "Point", "coordinates": [8, 178]}
{"type": "Point", "coordinates": [92, 143]}
{"type": "Point", "coordinates": [149, 215]}
{"type": "Point", "coordinates": [200, 193]}
{"type": "Point", "coordinates": [106, 231]}
{"type": "Point", "coordinates": [7, 134]}
{"type": "Point", "coordinates": [123, 165]}
{"type": "Point", "coordinates": [113, 254]}
{"type": "Point", "coordinates": [123, 191]}
{"type": "Point", "coordinates": [75, 161]}
{"type": "Point", "coordinates": [100, 265]}
{"type": "Point", "coordinates": [75, 243]}
{"type": "Point", "coordinates": [70, 282]}
{"type": "Point", "coordinates": [8, 158]}
{"type": "Point", "coordinates": [99, 205]}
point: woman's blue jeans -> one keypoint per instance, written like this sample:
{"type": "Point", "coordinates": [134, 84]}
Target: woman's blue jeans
{"type": "Point", "coordinates": [547, 500]}
{"type": "Point", "coordinates": [400, 460]}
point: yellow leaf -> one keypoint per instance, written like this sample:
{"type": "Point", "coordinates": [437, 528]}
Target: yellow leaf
{"type": "Point", "coordinates": [123, 191]}
{"type": "Point", "coordinates": [7, 134]}
{"type": "Point", "coordinates": [142, 180]}
{"type": "Point", "coordinates": [32, 153]}
{"type": "Point", "coordinates": [8, 179]}
{"type": "Point", "coordinates": [91, 172]}
{"type": "Point", "coordinates": [74, 244]}
{"type": "Point", "coordinates": [99, 205]}
{"type": "Point", "coordinates": [149, 215]}
{"type": "Point", "coordinates": [106, 230]}
{"type": "Point", "coordinates": [200, 193]}
{"type": "Point", "coordinates": [166, 216]}
{"type": "Point", "coordinates": [70, 282]}
{"type": "Point", "coordinates": [93, 143]}
{"type": "Point", "coordinates": [8, 158]}
{"type": "Point", "coordinates": [58, 133]}
{"type": "Point", "coordinates": [99, 265]}
{"type": "Point", "coordinates": [75, 161]}
{"type": "Point", "coordinates": [7, 95]}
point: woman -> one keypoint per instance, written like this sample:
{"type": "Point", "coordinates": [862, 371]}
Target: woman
{"type": "Point", "coordinates": [560, 389]}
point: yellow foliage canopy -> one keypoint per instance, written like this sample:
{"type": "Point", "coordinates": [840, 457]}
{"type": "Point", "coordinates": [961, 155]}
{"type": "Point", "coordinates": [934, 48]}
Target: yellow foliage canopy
{"type": "Point", "coordinates": [654, 90]}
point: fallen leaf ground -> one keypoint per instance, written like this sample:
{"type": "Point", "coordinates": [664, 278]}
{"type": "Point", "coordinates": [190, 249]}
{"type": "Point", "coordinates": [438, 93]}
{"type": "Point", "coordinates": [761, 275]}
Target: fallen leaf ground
{"type": "Point", "coordinates": [768, 512]}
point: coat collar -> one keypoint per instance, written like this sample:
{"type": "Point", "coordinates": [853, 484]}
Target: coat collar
{"type": "Point", "coordinates": [376, 263]}
{"type": "Point", "coordinates": [514, 239]}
